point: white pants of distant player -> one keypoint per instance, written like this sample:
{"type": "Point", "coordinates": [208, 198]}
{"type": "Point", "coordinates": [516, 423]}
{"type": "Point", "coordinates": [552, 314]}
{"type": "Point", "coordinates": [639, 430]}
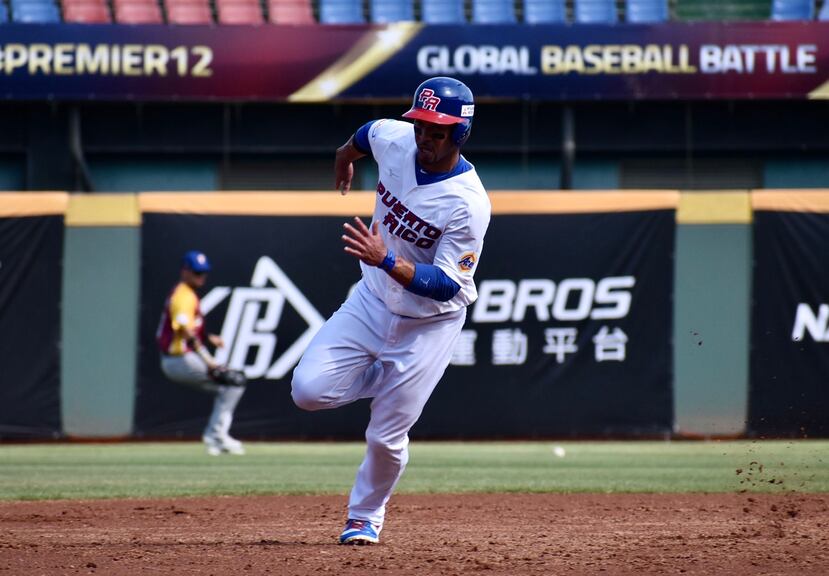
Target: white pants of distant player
{"type": "Point", "coordinates": [365, 351]}
{"type": "Point", "coordinates": [189, 369]}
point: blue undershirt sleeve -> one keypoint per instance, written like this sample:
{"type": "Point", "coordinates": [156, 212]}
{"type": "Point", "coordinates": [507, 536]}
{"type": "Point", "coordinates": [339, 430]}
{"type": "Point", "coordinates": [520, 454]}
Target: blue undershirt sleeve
{"type": "Point", "coordinates": [432, 282]}
{"type": "Point", "coordinates": [361, 142]}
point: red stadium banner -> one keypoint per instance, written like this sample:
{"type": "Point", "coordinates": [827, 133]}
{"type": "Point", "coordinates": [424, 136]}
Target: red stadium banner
{"type": "Point", "coordinates": [315, 63]}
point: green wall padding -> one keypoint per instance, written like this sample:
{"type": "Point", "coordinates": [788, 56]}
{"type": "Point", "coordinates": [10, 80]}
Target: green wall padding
{"type": "Point", "coordinates": [712, 298]}
{"type": "Point", "coordinates": [99, 336]}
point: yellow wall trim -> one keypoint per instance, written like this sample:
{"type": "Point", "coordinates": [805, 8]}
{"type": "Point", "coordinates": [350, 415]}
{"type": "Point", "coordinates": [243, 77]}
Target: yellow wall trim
{"type": "Point", "coordinates": [791, 200]}
{"type": "Point", "coordinates": [259, 203]}
{"type": "Point", "coordinates": [362, 203]}
{"type": "Point", "coordinates": [522, 202]}
{"type": "Point", "coordinates": [20, 204]}
{"type": "Point", "coordinates": [727, 207]}
{"type": "Point", "coordinates": [103, 210]}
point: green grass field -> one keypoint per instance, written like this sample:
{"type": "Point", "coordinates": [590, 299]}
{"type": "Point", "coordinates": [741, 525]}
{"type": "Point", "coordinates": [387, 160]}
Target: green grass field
{"type": "Point", "coordinates": [53, 471]}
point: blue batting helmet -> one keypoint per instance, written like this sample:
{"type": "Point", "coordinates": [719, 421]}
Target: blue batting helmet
{"type": "Point", "coordinates": [196, 261]}
{"type": "Point", "coordinates": [443, 100]}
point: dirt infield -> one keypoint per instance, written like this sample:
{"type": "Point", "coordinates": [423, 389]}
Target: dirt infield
{"type": "Point", "coordinates": [511, 534]}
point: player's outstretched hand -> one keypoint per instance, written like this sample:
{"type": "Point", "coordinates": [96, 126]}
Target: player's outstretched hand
{"type": "Point", "coordinates": [365, 244]}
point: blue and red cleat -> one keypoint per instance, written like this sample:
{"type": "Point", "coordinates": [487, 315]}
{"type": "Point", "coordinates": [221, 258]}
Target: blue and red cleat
{"type": "Point", "coordinates": [359, 532]}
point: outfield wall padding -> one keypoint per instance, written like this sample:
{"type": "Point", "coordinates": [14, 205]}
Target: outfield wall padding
{"type": "Point", "coordinates": [50, 386]}
{"type": "Point", "coordinates": [789, 390]}
{"type": "Point", "coordinates": [31, 250]}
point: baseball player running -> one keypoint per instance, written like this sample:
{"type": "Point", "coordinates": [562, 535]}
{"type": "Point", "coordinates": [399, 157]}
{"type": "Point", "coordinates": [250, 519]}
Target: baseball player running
{"type": "Point", "coordinates": [185, 359]}
{"type": "Point", "coordinates": [393, 337]}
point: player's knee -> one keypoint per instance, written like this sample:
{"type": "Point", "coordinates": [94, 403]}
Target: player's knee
{"type": "Point", "coordinates": [303, 392]}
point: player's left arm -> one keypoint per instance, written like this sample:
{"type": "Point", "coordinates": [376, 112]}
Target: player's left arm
{"type": "Point", "coordinates": [422, 279]}
{"type": "Point", "coordinates": [367, 245]}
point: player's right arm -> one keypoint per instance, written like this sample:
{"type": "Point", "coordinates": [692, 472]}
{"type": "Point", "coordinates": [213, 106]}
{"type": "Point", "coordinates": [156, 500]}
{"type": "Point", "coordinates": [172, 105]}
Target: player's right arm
{"type": "Point", "coordinates": [344, 165]}
{"type": "Point", "coordinates": [371, 139]}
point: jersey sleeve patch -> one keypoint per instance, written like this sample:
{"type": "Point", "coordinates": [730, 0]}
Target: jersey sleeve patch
{"type": "Point", "coordinates": [467, 262]}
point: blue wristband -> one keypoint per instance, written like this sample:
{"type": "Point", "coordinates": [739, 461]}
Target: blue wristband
{"type": "Point", "coordinates": [388, 262]}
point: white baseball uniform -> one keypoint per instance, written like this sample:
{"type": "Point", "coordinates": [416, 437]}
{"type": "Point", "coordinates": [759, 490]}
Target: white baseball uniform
{"type": "Point", "coordinates": [385, 342]}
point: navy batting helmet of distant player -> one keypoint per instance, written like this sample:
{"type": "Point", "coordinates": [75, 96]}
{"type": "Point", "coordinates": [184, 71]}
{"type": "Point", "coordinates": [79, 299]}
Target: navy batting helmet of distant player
{"type": "Point", "coordinates": [196, 261]}
{"type": "Point", "coordinates": [443, 100]}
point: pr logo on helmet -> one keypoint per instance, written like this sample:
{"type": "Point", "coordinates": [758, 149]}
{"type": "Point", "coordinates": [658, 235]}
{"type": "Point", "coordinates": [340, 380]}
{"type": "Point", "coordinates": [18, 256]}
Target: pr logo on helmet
{"type": "Point", "coordinates": [430, 101]}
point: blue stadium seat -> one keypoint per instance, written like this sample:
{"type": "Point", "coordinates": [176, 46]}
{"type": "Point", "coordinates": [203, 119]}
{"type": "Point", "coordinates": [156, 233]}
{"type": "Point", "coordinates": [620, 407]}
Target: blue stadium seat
{"type": "Point", "coordinates": [493, 12]}
{"type": "Point", "coordinates": [544, 11]}
{"type": "Point", "coordinates": [15, 3]}
{"type": "Point", "coordinates": [4, 13]}
{"type": "Point", "coordinates": [646, 11]}
{"type": "Point", "coordinates": [787, 10]}
{"type": "Point", "coordinates": [443, 12]}
{"type": "Point", "coordinates": [341, 12]}
{"type": "Point", "coordinates": [383, 11]}
{"type": "Point", "coordinates": [595, 12]}
{"type": "Point", "coordinates": [824, 12]}
{"type": "Point", "coordinates": [35, 13]}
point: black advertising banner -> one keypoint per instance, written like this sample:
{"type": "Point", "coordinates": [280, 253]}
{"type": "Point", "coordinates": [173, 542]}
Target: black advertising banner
{"type": "Point", "coordinates": [789, 390]}
{"type": "Point", "coordinates": [570, 335]}
{"type": "Point", "coordinates": [31, 251]}
{"type": "Point", "coordinates": [275, 280]}
{"type": "Point", "coordinates": [571, 332]}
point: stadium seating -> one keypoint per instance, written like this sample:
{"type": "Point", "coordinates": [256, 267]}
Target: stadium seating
{"type": "Point", "coordinates": [383, 11]}
{"type": "Point", "coordinates": [595, 12]}
{"type": "Point", "coordinates": [239, 12]}
{"type": "Point", "coordinates": [291, 12]}
{"type": "Point", "coordinates": [248, 12]}
{"type": "Point", "coordinates": [544, 11]}
{"type": "Point", "coordinates": [493, 12]}
{"type": "Point", "coordinates": [646, 11]}
{"type": "Point", "coordinates": [189, 12]}
{"type": "Point", "coordinates": [86, 12]}
{"type": "Point", "coordinates": [787, 10]}
{"type": "Point", "coordinates": [137, 12]}
{"type": "Point", "coordinates": [35, 12]}
{"type": "Point", "coordinates": [443, 12]}
{"type": "Point", "coordinates": [341, 12]}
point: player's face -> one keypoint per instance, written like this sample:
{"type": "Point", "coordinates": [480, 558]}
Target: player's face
{"type": "Point", "coordinates": [194, 279]}
{"type": "Point", "coordinates": [435, 150]}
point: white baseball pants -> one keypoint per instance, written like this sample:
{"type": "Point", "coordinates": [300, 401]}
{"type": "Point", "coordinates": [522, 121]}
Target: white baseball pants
{"type": "Point", "coordinates": [189, 369]}
{"type": "Point", "coordinates": [365, 351]}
